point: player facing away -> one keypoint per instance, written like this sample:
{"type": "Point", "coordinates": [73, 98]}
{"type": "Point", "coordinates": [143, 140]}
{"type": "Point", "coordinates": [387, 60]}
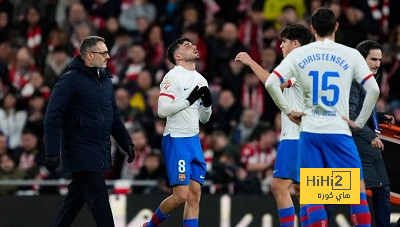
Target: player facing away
{"type": "Point", "coordinates": [324, 71]}
{"type": "Point", "coordinates": [184, 100]}
{"type": "Point", "coordinates": [287, 164]}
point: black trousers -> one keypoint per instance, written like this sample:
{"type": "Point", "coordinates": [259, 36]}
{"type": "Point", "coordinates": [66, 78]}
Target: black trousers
{"type": "Point", "coordinates": [91, 188]}
{"type": "Point", "coordinates": [381, 204]}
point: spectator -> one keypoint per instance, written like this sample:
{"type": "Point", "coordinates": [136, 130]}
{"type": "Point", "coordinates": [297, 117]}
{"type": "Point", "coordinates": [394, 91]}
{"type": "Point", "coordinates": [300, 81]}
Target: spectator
{"type": "Point", "coordinates": [36, 83]}
{"type": "Point", "coordinates": [4, 25]}
{"type": "Point", "coordinates": [250, 31]}
{"type": "Point", "coordinates": [139, 138]}
{"type": "Point", "coordinates": [154, 44]}
{"type": "Point", "coordinates": [20, 71]}
{"type": "Point", "coordinates": [143, 83]}
{"type": "Point", "coordinates": [122, 101]}
{"type": "Point", "coordinates": [56, 64]}
{"type": "Point", "coordinates": [253, 93]}
{"type": "Point", "coordinates": [225, 49]}
{"type": "Point", "coordinates": [29, 156]}
{"type": "Point", "coordinates": [246, 183]}
{"type": "Point", "coordinates": [248, 122]}
{"type": "Point", "coordinates": [136, 63]}
{"type": "Point", "coordinates": [37, 106]}
{"type": "Point", "coordinates": [12, 119]}
{"type": "Point", "coordinates": [131, 12]}
{"type": "Point", "coordinates": [8, 171]}
{"type": "Point", "coordinates": [260, 153]}
{"type": "Point", "coordinates": [227, 114]}
{"type": "Point", "coordinates": [153, 169]}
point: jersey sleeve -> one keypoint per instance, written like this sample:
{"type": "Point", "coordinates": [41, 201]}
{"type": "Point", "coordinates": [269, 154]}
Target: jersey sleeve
{"type": "Point", "coordinates": [362, 73]}
{"type": "Point", "coordinates": [279, 75]}
{"type": "Point", "coordinates": [167, 105]}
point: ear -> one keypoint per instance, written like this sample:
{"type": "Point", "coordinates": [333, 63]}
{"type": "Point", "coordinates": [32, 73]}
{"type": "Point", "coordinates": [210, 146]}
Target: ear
{"type": "Point", "coordinates": [336, 26]}
{"type": "Point", "coordinates": [177, 57]}
{"type": "Point", "coordinates": [313, 30]}
{"type": "Point", "coordinates": [296, 43]}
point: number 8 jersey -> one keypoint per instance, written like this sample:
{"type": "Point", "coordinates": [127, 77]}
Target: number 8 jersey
{"type": "Point", "coordinates": [325, 71]}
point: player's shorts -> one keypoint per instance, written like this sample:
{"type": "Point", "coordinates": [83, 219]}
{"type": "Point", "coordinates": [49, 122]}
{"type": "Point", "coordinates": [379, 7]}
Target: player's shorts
{"type": "Point", "coordinates": [287, 163]}
{"type": "Point", "coordinates": [184, 159]}
{"type": "Point", "coordinates": [328, 151]}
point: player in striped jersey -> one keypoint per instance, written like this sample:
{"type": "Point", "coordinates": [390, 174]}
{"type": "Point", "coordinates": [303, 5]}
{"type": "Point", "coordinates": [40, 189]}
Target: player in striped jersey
{"type": "Point", "coordinates": [325, 70]}
{"type": "Point", "coordinates": [184, 100]}
{"type": "Point", "coordinates": [287, 164]}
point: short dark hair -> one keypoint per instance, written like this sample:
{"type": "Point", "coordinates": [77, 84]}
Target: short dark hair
{"type": "Point", "coordinates": [173, 47]}
{"type": "Point", "coordinates": [365, 46]}
{"type": "Point", "coordinates": [323, 20]}
{"type": "Point", "coordinates": [297, 32]}
{"type": "Point", "coordinates": [90, 42]}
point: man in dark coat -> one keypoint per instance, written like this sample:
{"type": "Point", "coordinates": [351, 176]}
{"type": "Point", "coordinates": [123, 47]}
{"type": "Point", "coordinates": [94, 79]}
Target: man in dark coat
{"type": "Point", "coordinates": [368, 143]}
{"type": "Point", "coordinates": [80, 117]}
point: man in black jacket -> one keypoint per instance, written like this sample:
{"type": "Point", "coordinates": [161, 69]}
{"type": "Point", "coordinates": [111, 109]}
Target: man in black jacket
{"type": "Point", "coordinates": [80, 117]}
{"type": "Point", "coordinates": [368, 143]}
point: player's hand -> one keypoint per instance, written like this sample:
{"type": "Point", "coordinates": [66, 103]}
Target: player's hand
{"type": "Point", "coordinates": [389, 120]}
{"type": "Point", "coordinates": [377, 143]}
{"type": "Point", "coordinates": [352, 124]}
{"type": "Point", "coordinates": [52, 163]}
{"type": "Point", "coordinates": [206, 96]}
{"type": "Point", "coordinates": [244, 58]}
{"type": "Point", "coordinates": [295, 116]}
{"type": "Point", "coordinates": [194, 95]}
{"type": "Point", "coordinates": [131, 153]}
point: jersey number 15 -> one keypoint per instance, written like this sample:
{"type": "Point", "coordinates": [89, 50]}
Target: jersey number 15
{"type": "Point", "coordinates": [325, 87]}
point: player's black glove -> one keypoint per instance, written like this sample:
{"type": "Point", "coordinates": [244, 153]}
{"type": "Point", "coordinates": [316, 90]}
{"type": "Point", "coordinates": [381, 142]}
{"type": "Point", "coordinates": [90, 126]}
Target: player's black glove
{"type": "Point", "coordinates": [52, 163]}
{"type": "Point", "coordinates": [206, 96]}
{"type": "Point", "coordinates": [131, 153]}
{"type": "Point", "coordinates": [194, 95]}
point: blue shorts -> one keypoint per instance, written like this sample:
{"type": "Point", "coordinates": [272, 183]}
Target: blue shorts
{"type": "Point", "coordinates": [184, 159]}
{"type": "Point", "coordinates": [328, 151]}
{"type": "Point", "coordinates": [287, 163]}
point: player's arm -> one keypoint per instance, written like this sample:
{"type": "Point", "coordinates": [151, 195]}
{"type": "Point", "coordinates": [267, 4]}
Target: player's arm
{"type": "Point", "coordinates": [371, 87]}
{"type": "Point", "coordinates": [167, 106]}
{"type": "Point", "coordinates": [257, 69]}
{"type": "Point", "coordinates": [273, 87]}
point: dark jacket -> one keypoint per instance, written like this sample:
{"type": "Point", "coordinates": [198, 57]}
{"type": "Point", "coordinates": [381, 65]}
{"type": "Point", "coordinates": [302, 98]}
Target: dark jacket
{"type": "Point", "coordinates": [80, 117]}
{"type": "Point", "coordinates": [374, 170]}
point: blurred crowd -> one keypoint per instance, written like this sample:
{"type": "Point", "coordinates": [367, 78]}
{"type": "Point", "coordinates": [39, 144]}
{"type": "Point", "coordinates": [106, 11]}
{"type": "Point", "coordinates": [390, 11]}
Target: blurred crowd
{"type": "Point", "coordinates": [39, 38]}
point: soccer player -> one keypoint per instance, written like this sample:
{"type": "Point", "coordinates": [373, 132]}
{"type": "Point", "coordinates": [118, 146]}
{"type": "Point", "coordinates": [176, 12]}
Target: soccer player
{"type": "Point", "coordinates": [287, 164]}
{"type": "Point", "coordinates": [184, 100]}
{"type": "Point", "coordinates": [325, 70]}
{"type": "Point", "coordinates": [368, 143]}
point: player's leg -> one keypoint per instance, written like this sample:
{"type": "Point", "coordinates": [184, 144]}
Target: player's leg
{"type": "Point", "coordinates": [280, 190]}
{"type": "Point", "coordinates": [303, 207]}
{"type": "Point", "coordinates": [177, 162]}
{"type": "Point", "coordinates": [342, 152]}
{"type": "Point", "coordinates": [311, 156]}
{"type": "Point", "coordinates": [179, 196]}
{"type": "Point", "coordinates": [197, 175]}
{"type": "Point", "coordinates": [192, 205]}
{"type": "Point", "coordinates": [286, 171]}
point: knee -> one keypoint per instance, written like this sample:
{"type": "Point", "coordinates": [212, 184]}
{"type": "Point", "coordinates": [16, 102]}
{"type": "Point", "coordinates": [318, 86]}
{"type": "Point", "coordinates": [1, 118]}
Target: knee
{"type": "Point", "coordinates": [277, 189]}
{"type": "Point", "coordinates": [181, 196]}
{"type": "Point", "coordinates": [194, 196]}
